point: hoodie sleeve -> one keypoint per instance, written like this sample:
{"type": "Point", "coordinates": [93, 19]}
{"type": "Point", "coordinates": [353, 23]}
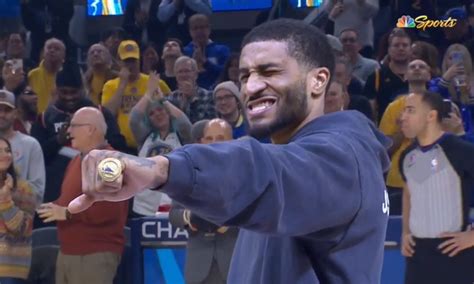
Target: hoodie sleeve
{"type": "Point", "coordinates": [292, 189]}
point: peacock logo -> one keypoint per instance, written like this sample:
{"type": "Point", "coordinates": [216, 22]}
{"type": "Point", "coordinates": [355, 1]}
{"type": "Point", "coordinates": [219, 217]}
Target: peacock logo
{"type": "Point", "coordinates": [406, 22]}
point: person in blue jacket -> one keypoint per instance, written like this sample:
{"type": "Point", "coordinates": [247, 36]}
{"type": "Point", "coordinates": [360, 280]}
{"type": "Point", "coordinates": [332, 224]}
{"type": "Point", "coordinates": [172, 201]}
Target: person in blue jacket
{"type": "Point", "coordinates": [312, 206]}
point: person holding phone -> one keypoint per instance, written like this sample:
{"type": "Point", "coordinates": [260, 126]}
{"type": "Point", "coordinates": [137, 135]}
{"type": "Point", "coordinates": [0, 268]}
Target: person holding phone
{"type": "Point", "coordinates": [12, 74]}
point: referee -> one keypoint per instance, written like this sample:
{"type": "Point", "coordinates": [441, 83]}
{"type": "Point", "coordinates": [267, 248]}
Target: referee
{"type": "Point", "coordinates": [438, 170]}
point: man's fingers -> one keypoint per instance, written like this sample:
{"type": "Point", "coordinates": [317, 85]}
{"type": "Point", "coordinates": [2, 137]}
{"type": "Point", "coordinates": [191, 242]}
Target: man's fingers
{"type": "Point", "coordinates": [80, 204]}
{"type": "Point", "coordinates": [449, 248]}
{"type": "Point", "coordinates": [446, 243]}
{"type": "Point", "coordinates": [456, 251]}
{"type": "Point", "coordinates": [411, 241]}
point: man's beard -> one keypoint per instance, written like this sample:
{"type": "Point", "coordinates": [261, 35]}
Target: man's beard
{"type": "Point", "coordinates": [292, 109]}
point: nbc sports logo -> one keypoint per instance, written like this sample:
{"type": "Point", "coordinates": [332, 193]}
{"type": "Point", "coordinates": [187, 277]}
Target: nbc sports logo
{"type": "Point", "coordinates": [406, 22]}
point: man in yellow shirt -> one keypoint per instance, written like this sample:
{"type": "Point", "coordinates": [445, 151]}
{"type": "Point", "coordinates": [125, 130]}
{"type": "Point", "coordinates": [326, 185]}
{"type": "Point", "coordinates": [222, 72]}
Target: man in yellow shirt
{"type": "Point", "coordinates": [42, 79]}
{"type": "Point", "coordinates": [121, 94]}
{"type": "Point", "coordinates": [417, 75]}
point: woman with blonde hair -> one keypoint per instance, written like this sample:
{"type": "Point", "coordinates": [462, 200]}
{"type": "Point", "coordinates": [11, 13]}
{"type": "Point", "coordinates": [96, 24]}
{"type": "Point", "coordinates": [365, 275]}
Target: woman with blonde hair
{"type": "Point", "coordinates": [457, 80]}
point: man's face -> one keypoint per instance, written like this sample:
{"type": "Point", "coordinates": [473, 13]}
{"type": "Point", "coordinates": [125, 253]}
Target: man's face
{"type": "Point", "coordinates": [226, 102]}
{"type": "Point", "coordinates": [200, 30]}
{"type": "Point", "coordinates": [334, 100]}
{"type": "Point", "coordinates": [350, 43]}
{"type": "Point", "coordinates": [68, 98]}
{"type": "Point", "coordinates": [415, 116]}
{"type": "Point", "coordinates": [79, 131]}
{"type": "Point", "coordinates": [216, 132]}
{"type": "Point", "coordinates": [418, 72]}
{"type": "Point", "coordinates": [97, 55]}
{"type": "Point", "coordinates": [185, 72]}
{"type": "Point", "coordinates": [399, 50]}
{"type": "Point", "coordinates": [133, 65]}
{"type": "Point", "coordinates": [274, 88]}
{"type": "Point", "coordinates": [16, 47]}
{"type": "Point", "coordinates": [29, 101]}
{"type": "Point", "coordinates": [54, 51]}
{"type": "Point", "coordinates": [172, 49]}
{"type": "Point", "coordinates": [7, 117]}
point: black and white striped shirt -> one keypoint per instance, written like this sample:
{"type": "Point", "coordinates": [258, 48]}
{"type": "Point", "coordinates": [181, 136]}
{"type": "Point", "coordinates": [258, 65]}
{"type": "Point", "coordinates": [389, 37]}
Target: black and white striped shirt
{"type": "Point", "coordinates": [439, 178]}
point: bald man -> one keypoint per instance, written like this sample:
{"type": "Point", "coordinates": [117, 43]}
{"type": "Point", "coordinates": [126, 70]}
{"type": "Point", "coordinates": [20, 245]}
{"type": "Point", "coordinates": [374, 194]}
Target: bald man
{"type": "Point", "coordinates": [93, 240]}
{"type": "Point", "coordinates": [210, 247]}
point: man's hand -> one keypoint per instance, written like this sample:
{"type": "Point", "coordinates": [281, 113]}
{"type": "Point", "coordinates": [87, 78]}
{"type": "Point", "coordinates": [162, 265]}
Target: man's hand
{"type": "Point", "coordinates": [453, 71]}
{"type": "Point", "coordinates": [124, 76]}
{"type": "Point", "coordinates": [408, 245]}
{"type": "Point", "coordinates": [153, 86]}
{"type": "Point", "coordinates": [457, 242]}
{"type": "Point", "coordinates": [336, 10]}
{"type": "Point", "coordinates": [187, 88]}
{"type": "Point", "coordinates": [138, 174]}
{"type": "Point", "coordinates": [51, 212]}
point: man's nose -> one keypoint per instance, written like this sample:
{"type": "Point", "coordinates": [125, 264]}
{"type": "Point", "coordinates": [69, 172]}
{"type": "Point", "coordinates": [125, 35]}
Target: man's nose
{"type": "Point", "coordinates": [254, 85]}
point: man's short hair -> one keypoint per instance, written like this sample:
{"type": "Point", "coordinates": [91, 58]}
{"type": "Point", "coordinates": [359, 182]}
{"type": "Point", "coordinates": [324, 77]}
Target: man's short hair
{"type": "Point", "coordinates": [183, 59]}
{"type": "Point", "coordinates": [435, 102]}
{"type": "Point", "coordinates": [53, 39]}
{"type": "Point", "coordinates": [177, 40]}
{"type": "Point", "coordinates": [306, 43]}
{"type": "Point", "coordinates": [197, 130]}
{"type": "Point", "coordinates": [398, 32]}
{"type": "Point", "coordinates": [350, 30]}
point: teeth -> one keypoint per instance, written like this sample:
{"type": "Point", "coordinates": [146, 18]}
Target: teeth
{"type": "Point", "coordinates": [261, 106]}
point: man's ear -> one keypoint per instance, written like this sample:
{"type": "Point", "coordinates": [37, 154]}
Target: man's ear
{"type": "Point", "coordinates": [432, 115]}
{"type": "Point", "coordinates": [318, 81]}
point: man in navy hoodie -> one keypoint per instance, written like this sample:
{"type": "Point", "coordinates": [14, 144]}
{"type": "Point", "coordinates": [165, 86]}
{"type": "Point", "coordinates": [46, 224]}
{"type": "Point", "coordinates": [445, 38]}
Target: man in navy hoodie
{"type": "Point", "coordinates": [312, 206]}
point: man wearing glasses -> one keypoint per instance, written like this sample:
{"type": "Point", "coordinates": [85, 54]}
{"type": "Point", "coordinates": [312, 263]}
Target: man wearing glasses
{"type": "Point", "coordinates": [362, 67]}
{"type": "Point", "coordinates": [86, 243]}
{"type": "Point", "coordinates": [50, 129]}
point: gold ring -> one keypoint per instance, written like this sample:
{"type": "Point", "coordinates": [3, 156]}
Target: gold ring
{"type": "Point", "coordinates": [110, 169]}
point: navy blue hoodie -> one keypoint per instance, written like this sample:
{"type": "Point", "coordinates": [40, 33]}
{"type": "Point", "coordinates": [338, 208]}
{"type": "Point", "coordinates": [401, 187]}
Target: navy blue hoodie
{"type": "Point", "coordinates": [314, 210]}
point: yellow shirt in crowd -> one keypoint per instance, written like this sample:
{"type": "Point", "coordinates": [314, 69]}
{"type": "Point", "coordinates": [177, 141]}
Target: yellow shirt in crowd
{"type": "Point", "coordinates": [389, 127]}
{"type": "Point", "coordinates": [133, 92]}
{"type": "Point", "coordinates": [43, 84]}
{"type": "Point", "coordinates": [97, 84]}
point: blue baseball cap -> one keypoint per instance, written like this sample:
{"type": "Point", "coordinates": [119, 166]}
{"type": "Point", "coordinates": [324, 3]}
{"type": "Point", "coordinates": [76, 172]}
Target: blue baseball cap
{"type": "Point", "coordinates": [458, 13]}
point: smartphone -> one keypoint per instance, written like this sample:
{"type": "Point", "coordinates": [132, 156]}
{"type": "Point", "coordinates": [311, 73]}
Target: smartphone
{"type": "Point", "coordinates": [447, 108]}
{"type": "Point", "coordinates": [457, 57]}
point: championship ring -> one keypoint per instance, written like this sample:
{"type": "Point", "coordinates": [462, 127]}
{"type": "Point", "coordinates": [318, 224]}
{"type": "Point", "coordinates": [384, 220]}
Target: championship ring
{"type": "Point", "coordinates": [110, 169]}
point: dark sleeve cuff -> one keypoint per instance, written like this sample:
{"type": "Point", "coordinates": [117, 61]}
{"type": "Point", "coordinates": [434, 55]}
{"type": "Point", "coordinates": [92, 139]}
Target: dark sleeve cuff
{"type": "Point", "coordinates": [181, 177]}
